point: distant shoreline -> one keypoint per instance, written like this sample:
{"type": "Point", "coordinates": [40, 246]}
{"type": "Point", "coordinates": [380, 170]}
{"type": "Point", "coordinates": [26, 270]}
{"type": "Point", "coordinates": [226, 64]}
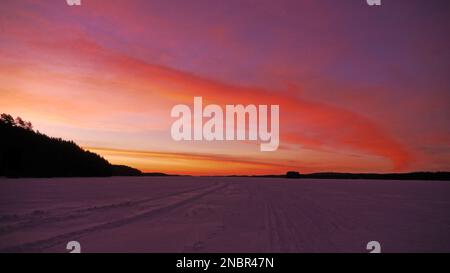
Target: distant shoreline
{"type": "Point", "coordinates": [420, 176]}
{"type": "Point", "coordinates": [439, 176]}
{"type": "Point", "coordinates": [335, 175]}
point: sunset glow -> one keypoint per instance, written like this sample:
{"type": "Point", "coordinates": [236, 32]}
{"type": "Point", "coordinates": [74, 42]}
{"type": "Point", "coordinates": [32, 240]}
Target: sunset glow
{"type": "Point", "coordinates": [357, 90]}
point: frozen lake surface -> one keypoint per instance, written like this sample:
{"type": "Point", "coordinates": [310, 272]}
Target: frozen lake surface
{"type": "Point", "coordinates": [192, 214]}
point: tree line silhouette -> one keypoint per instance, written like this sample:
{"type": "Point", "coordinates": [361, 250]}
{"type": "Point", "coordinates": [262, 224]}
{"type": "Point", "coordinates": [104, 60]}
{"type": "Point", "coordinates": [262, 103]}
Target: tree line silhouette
{"type": "Point", "coordinates": [28, 153]}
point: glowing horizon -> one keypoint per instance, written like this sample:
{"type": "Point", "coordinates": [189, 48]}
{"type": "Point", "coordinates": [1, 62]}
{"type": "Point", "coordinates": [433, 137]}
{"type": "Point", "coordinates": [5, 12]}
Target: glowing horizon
{"type": "Point", "coordinates": [358, 89]}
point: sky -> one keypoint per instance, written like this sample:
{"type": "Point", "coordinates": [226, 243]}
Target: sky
{"type": "Point", "coordinates": [360, 88]}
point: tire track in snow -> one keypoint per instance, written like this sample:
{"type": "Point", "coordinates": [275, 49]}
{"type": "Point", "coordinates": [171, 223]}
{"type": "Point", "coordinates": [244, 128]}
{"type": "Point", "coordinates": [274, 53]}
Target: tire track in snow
{"type": "Point", "coordinates": [40, 245]}
{"type": "Point", "coordinates": [31, 221]}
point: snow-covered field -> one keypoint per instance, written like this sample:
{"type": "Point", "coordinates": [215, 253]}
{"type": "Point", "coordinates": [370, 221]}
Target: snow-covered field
{"type": "Point", "coordinates": [191, 214]}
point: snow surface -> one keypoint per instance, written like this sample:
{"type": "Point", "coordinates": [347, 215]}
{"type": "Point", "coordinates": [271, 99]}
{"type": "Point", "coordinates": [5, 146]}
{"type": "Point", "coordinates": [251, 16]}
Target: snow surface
{"type": "Point", "coordinates": [192, 214]}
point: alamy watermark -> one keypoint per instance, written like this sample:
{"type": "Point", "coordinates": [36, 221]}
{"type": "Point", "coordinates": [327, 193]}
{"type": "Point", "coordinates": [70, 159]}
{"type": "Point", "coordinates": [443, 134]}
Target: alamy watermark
{"type": "Point", "coordinates": [74, 247]}
{"type": "Point", "coordinates": [374, 247]}
{"type": "Point", "coordinates": [235, 127]}
{"type": "Point", "coordinates": [73, 2]}
{"type": "Point", "coordinates": [374, 2]}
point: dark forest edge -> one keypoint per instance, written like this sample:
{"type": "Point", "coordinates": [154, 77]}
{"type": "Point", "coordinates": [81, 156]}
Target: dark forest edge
{"type": "Point", "coordinates": [28, 153]}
